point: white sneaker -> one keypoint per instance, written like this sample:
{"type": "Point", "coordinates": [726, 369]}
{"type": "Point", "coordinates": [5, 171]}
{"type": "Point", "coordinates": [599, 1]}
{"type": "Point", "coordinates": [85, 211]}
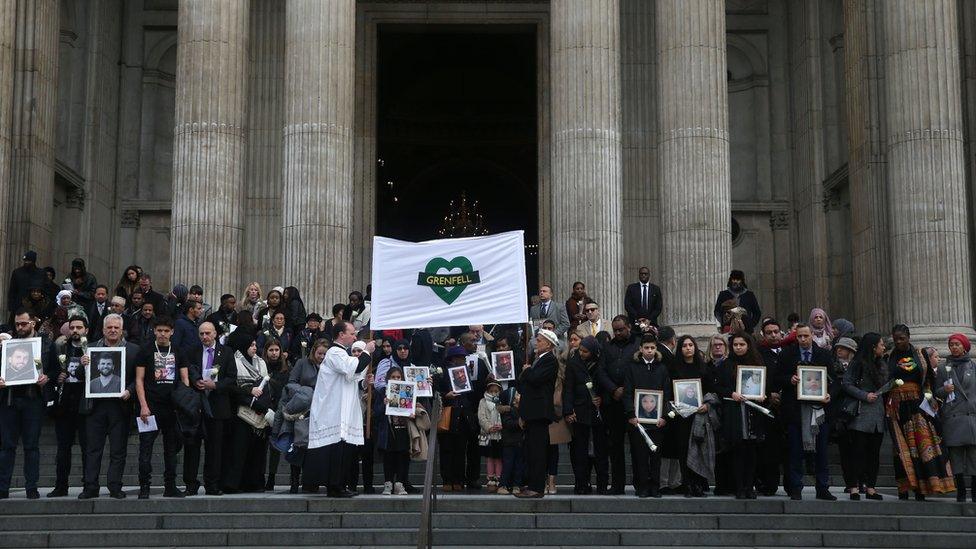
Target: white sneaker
{"type": "Point", "coordinates": [387, 488]}
{"type": "Point", "coordinates": [399, 490]}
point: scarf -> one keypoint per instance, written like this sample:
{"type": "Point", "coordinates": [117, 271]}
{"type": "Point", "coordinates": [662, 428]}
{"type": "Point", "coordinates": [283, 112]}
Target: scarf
{"type": "Point", "coordinates": [812, 417]}
{"type": "Point", "coordinates": [827, 330]}
{"type": "Point", "coordinates": [250, 372]}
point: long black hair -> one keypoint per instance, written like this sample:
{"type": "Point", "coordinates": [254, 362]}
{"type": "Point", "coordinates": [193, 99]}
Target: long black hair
{"type": "Point", "coordinates": [868, 363]}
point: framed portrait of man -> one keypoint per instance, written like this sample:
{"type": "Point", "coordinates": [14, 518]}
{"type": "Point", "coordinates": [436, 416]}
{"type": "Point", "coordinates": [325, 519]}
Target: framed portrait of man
{"type": "Point", "coordinates": [688, 391]}
{"type": "Point", "coordinates": [421, 376]}
{"type": "Point", "coordinates": [105, 375]}
{"type": "Point", "coordinates": [503, 365]}
{"type": "Point", "coordinates": [813, 383]}
{"type": "Point", "coordinates": [401, 398]}
{"type": "Point", "coordinates": [17, 363]}
{"type": "Point", "coordinates": [647, 405]}
{"type": "Point", "coordinates": [460, 382]}
{"type": "Point", "coordinates": [750, 382]}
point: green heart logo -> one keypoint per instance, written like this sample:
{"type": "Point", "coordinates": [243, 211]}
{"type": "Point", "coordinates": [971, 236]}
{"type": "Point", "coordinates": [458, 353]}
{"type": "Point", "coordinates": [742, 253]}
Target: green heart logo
{"type": "Point", "coordinates": [448, 286]}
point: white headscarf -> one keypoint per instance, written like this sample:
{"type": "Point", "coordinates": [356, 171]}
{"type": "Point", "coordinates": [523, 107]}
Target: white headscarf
{"type": "Point", "coordinates": [63, 293]}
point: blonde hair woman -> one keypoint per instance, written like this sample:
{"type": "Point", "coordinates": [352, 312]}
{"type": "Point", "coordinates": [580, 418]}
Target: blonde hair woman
{"type": "Point", "coordinates": [251, 300]}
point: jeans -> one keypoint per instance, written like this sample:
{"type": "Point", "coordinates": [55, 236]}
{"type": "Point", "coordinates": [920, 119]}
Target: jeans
{"type": "Point", "coordinates": [797, 458]}
{"type": "Point", "coordinates": [21, 421]}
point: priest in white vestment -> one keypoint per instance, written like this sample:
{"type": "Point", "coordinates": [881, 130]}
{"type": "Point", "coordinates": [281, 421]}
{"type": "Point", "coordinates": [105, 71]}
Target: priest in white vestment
{"type": "Point", "coordinates": [336, 419]}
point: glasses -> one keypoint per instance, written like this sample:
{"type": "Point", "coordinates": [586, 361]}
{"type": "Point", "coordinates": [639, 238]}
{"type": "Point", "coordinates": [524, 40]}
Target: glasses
{"type": "Point", "coordinates": [403, 348]}
{"type": "Point", "coordinates": [592, 310]}
{"type": "Point", "coordinates": [21, 323]}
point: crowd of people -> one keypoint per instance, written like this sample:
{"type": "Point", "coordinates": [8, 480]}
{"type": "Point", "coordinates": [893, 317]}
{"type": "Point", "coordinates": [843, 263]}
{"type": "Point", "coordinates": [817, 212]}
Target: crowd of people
{"type": "Point", "coordinates": [260, 379]}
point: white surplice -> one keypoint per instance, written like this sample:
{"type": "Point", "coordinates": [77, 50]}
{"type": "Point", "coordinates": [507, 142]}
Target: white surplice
{"type": "Point", "coordinates": [336, 413]}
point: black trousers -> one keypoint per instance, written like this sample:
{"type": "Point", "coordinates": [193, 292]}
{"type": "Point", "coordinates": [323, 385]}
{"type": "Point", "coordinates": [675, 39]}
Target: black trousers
{"type": "Point", "coordinates": [613, 414]}
{"type": "Point", "coordinates": [68, 427]}
{"type": "Point", "coordinates": [172, 440]}
{"type": "Point", "coordinates": [536, 447]}
{"type": "Point", "coordinates": [274, 458]}
{"type": "Point", "coordinates": [243, 464]}
{"type": "Point", "coordinates": [848, 459]}
{"type": "Point", "coordinates": [396, 466]}
{"type": "Point", "coordinates": [772, 457]}
{"type": "Point", "coordinates": [452, 448]}
{"type": "Point", "coordinates": [645, 463]}
{"type": "Point", "coordinates": [867, 449]}
{"type": "Point", "coordinates": [108, 418]}
{"type": "Point", "coordinates": [724, 478]}
{"type": "Point", "coordinates": [472, 471]}
{"type": "Point", "coordinates": [362, 461]}
{"type": "Point", "coordinates": [744, 465]}
{"type": "Point", "coordinates": [212, 442]}
{"type": "Point", "coordinates": [583, 462]}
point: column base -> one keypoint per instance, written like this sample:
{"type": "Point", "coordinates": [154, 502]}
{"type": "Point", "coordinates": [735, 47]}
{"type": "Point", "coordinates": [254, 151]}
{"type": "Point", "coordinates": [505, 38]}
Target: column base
{"type": "Point", "coordinates": [701, 332]}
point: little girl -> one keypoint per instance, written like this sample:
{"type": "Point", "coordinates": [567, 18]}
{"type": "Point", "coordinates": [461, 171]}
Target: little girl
{"type": "Point", "coordinates": [513, 463]}
{"type": "Point", "coordinates": [491, 433]}
{"type": "Point", "coordinates": [393, 440]}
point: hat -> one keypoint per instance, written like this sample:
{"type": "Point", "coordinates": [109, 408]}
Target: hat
{"type": "Point", "coordinates": [360, 344]}
{"type": "Point", "coordinates": [456, 350]}
{"type": "Point", "coordinates": [31, 255]}
{"type": "Point", "coordinates": [314, 316]}
{"type": "Point", "coordinates": [963, 340]}
{"type": "Point", "coordinates": [549, 335]}
{"type": "Point", "coordinates": [736, 273]}
{"type": "Point", "coordinates": [847, 343]}
{"type": "Point", "coordinates": [61, 294]}
{"type": "Point", "coordinates": [490, 383]}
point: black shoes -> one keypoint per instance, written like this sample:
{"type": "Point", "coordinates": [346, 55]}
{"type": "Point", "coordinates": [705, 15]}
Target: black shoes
{"type": "Point", "coordinates": [58, 492]}
{"type": "Point", "coordinates": [214, 492]}
{"type": "Point", "coordinates": [855, 496]}
{"type": "Point", "coordinates": [118, 494]}
{"type": "Point", "coordinates": [875, 496]}
{"type": "Point", "coordinates": [4, 495]}
{"type": "Point", "coordinates": [344, 493]}
{"type": "Point", "coordinates": [144, 491]}
{"type": "Point", "coordinates": [826, 496]}
{"type": "Point", "coordinates": [33, 494]}
{"type": "Point", "coordinates": [88, 494]}
{"type": "Point", "coordinates": [192, 490]}
{"type": "Point", "coordinates": [295, 489]}
{"type": "Point", "coordinates": [171, 491]}
{"type": "Point", "coordinates": [796, 495]}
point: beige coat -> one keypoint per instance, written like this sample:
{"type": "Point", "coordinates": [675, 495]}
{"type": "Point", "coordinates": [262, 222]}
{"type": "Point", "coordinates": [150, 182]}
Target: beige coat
{"type": "Point", "coordinates": [418, 428]}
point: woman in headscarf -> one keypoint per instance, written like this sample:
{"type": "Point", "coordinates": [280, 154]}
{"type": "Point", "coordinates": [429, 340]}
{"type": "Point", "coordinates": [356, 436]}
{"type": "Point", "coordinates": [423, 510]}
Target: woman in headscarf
{"type": "Point", "coordinates": [581, 409]}
{"type": "Point", "coordinates": [956, 387]}
{"type": "Point", "coordinates": [38, 304]}
{"type": "Point", "coordinates": [920, 465]}
{"type": "Point", "coordinates": [866, 374]}
{"type": "Point", "coordinates": [56, 325]}
{"type": "Point", "coordinates": [244, 454]}
{"type": "Point", "coordinates": [294, 309]}
{"type": "Point", "coordinates": [688, 365]}
{"type": "Point", "coordinates": [400, 358]}
{"type": "Point", "coordinates": [742, 426]}
{"type": "Point", "coordinates": [823, 331]}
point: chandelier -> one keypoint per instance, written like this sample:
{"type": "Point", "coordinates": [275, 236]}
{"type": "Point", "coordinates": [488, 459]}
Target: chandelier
{"type": "Point", "coordinates": [462, 220]}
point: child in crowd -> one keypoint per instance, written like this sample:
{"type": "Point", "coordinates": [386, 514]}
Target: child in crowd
{"type": "Point", "coordinates": [392, 439]}
{"type": "Point", "coordinates": [490, 438]}
{"type": "Point", "coordinates": [513, 462]}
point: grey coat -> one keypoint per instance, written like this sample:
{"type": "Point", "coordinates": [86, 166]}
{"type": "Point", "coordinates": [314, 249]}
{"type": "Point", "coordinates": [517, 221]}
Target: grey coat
{"type": "Point", "coordinates": [303, 374]}
{"type": "Point", "coordinates": [557, 312]}
{"type": "Point", "coordinates": [958, 416]}
{"type": "Point", "coordinates": [871, 418]}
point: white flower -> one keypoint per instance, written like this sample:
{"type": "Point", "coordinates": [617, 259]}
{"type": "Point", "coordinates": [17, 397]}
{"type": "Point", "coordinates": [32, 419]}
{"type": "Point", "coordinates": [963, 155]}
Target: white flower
{"type": "Point", "coordinates": [899, 382]}
{"type": "Point", "coordinates": [63, 359]}
{"type": "Point", "coordinates": [928, 396]}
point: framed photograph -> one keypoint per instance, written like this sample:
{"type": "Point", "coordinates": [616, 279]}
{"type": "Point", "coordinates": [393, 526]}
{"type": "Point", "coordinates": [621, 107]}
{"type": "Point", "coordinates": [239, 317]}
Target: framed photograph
{"type": "Point", "coordinates": [401, 398]}
{"type": "Point", "coordinates": [648, 405]}
{"type": "Point", "coordinates": [420, 375]}
{"type": "Point", "coordinates": [460, 383]}
{"type": "Point", "coordinates": [503, 365]}
{"type": "Point", "coordinates": [688, 391]}
{"type": "Point", "coordinates": [813, 383]}
{"type": "Point", "coordinates": [20, 361]}
{"type": "Point", "coordinates": [472, 362]}
{"type": "Point", "coordinates": [105, 375]}
{"type": "Point", "coordinates": [750, 382]}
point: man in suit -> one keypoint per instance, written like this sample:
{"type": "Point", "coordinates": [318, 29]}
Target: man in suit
{"type": "Point", "coordinates": [773, 455]}
{"type": "Point", "coordinates": [100, 308]}
{"type": "Point", "coordinates": [594, 324]}
{"type": "Point", "coordinates": [667, 340]}
{"type": "Point", "coordinates": [214, 372]}
{"type": "Point", "coordinates": [798, 416]}
{"type": "Point", "coordinates": [549, 309]}
{"type": "Point", "coordinates": [643, 300]}
{"type": "Point", "coordinates": [537, 382]}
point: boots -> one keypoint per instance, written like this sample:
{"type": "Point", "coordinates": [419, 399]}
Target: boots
{"type": "Point", "coordinates": [144, 491]}
{"type": "Point", "coordinates": [171, 491]}
{"type": "Point", "coordinates": [960, 488]}
{"type": "Point", "coordinates": [269, 486]}
{"type": "Point", "coordinates": [296, 478]}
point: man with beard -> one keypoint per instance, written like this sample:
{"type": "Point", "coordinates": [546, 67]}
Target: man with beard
{"type": "Point", "coordinates": [149, 295]}
{"type": "Point", "coordinates": [739, 294]}
{"type": "Point", "coordinates": [225, 316]}
{"type": "Point", "coordinates": [110, 417]}
{"type": "Point", "coordinates": [21, 416]}
{"type": "Point", "coordinates": [301, 344]}
{"type": "Point", "coordinates": [618, 354]}
{"type": "Point", "coordinates": [69, 422]}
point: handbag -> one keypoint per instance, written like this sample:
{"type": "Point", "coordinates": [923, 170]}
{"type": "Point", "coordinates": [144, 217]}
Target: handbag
{"type": "Point", "coordinates": [444, 423]}
{"type": "Point", "coordinates": [251, 417]}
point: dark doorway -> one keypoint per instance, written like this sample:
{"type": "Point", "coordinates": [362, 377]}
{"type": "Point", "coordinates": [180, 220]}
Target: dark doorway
{"type": "Point", "coordinates": [457, 115]}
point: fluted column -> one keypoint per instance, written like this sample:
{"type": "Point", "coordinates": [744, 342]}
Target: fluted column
{"type": "Point", "coordinates": [318, 144]}
{"type": "Point", "coordinates": [586, 166]}
{"type": "Point", "coordinates": [641, 218]}
{"type": "Point", "coordinates": [927, 205]}
{"type": "Point", "coordinates": [208, 185]}
{"type": "Point", "coordinates": [7, 20]}
{"type": "Point", "coordinates": [33, 120]}
{"type": "Point", "coordinates": [693, 160]}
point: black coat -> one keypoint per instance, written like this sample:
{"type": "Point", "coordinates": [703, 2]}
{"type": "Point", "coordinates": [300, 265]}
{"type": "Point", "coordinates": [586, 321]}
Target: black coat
{"type": "Point", "coordinates": [49, 367]}
{"type": "Point", "coordinates": [617, 357]}
{"type": "Point", "coordinates": [576, 397]}
{"type": "Point", "coordinates": [747, 300]}
{"type": "Point", "coordinates": [632, 302]}
{"type": "Point", "coordinates": [22, 279]}
{"type": "Point", "coordinates": [537, 385]}
{"type": "Point", "coordinates": [734, 429]}
{"type": "Point", "coordinates": [641, 375]}
{"type": "Point", "coordinates": [789, 359]}
{"type": "Point", "coordinates": [218, 405]}
{"type": "Point", "coordinates": [96, 320]}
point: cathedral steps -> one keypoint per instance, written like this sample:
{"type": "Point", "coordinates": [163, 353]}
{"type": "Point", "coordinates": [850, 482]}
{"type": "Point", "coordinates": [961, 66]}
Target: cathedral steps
{"type": "Point", "coordinates": [597, 521]}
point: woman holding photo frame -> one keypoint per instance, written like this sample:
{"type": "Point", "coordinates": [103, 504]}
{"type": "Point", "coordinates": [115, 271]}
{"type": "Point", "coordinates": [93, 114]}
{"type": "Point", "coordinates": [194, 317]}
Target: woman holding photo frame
{"type": "Point", "coordinates": [690, 382]}
{"type": "Point", "coordinates": [866, 374]}
{"type": "Point", "coordinates": [742, 426]}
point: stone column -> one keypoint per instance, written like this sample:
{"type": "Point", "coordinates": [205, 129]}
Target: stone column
{"type": "Point", "coordinates": [7, 20]}
{"type": "Point", "coordinates": [33, 120]}
{"type": "Point", "coordinates": [586, 165]}
{"type": "Point", "coordinates": [928, 211]}
{"type": "Point", "coordinates": [641, 218]}
{"type": "Point", "coordinates": [208, 185]}
{"type": "Point", "coordinates": [693, 161]}
{"type": "Point", "coordinates": [318, 150]}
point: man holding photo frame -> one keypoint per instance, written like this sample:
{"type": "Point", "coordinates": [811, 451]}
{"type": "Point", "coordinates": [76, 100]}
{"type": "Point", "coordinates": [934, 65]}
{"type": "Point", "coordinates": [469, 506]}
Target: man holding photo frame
{"type": "Point", "coordinates": [807, 428]}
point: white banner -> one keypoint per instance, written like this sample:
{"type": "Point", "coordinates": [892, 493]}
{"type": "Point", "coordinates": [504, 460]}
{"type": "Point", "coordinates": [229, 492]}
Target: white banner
{"type": "Point", "coordinates": [450, 282]}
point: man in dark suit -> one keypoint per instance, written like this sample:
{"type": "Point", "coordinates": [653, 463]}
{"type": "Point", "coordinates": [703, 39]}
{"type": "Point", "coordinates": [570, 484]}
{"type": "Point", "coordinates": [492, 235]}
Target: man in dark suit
{"type": "Point", "coordinates": [667, 340]}
{"type": "Point", "coordinates": [773, 458]}
{"type": "Point", "coordinates": [549, 308]}
{"type": "Point", "coordinates": [797, 415]}
{"type": "Point", "coordinates": [536, 383]}
{"type": "Point", "coordinates": [214, 372]}
{"type": "Point", "coordinates": [99, 309]}
{"type": "Point", "coordinates": [618, 353]}
{"type": "Point", "coordinates": [643, 300]}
